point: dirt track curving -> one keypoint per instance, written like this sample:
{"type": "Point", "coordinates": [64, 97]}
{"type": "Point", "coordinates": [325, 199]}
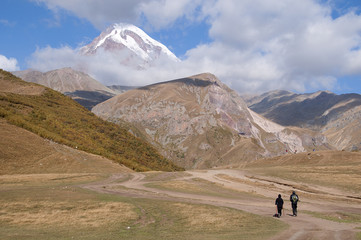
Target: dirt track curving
{"type": "Point", "coordinates": [256, 195]}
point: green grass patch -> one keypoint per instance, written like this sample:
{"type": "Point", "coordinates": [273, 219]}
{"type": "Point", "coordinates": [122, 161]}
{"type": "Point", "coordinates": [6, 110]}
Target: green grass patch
{"type": "Point", "coordinates": [358, 236]}
{"type": "Point", "coordinates": [164, 176]}
{"type": "Point", "coordinates": [34, 180]}
{"type": "Point", "coordinates": [200, 187]}
{"type": "Point", "coordinates": [169, 220]}
{"type": "Point", "coordinates": [337, 216]}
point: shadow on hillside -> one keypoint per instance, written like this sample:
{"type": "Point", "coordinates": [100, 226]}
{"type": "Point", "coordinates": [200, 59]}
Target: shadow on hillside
{"type": "Point", "coordinates": [188, 81]}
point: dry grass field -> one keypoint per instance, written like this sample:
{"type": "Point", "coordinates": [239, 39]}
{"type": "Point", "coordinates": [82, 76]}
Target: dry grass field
{"type": "Point", "coordinates": [50, 191]}
{"type": "Point", "coordinates": [337, 169]}
{"type": "Point", "coordinates": [54, 206]}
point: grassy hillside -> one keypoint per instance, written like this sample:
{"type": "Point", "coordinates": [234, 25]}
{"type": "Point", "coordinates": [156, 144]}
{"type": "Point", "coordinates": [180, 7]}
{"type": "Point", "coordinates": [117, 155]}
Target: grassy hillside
{"type": "Point", "coordinates": [56, 117]}
{"type": "Point", "coordinates": [24, 152]}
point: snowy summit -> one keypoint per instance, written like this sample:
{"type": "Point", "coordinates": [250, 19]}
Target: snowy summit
{"type": "Point", "coordinates": [129, 40]}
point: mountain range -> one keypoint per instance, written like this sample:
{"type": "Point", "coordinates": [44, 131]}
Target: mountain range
{"type": "Point", "coordinates": [57, 118]}
{"type": "Point", "coordinates": [199, 122]}
{"type": "Point", "coordinates": [338, 117]}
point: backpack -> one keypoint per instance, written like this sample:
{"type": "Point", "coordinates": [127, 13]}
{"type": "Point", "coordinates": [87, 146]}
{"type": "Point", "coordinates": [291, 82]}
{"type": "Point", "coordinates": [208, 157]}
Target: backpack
{"type": "Point", "coordinates": [294, 198]}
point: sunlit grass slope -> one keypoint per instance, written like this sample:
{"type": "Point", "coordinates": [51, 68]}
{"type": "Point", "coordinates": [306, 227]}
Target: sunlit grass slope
{"type": "Point", "coordinates": [56, 117]}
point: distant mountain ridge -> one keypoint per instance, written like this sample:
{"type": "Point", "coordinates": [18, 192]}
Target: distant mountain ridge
{"type": "Point", "coordinates": [78, 85]}
{"type": "Point", "coordinates": [199, 122]}
{"type": "Point", "coordinates": [63, 80]}
{"type": "Point", "coordinates": [304, 110]}
{"type": "Point", "coordinates": [337, 116]}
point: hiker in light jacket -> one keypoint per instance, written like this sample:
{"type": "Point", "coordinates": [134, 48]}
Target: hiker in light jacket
{"type": "Point", "coordinates": [294, 200]}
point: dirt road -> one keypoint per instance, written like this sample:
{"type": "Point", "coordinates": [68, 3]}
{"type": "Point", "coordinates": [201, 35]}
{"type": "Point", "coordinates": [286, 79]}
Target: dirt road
{"type": "Point", "coordinates": [261, 193]}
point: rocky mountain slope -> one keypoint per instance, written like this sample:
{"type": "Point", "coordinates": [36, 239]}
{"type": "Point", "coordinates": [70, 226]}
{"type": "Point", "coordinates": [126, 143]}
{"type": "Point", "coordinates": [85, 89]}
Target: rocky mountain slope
{"type": "Point", "coordinates": [78, 85]}
{"type": "Point", "coordinates": [132, 46]}
{"type": "Point", "coordinates": [58, 118]}
{"type": "Point", "coordinates": [199, 122]}
{"type": "Point", "coordinates": [338, 117]}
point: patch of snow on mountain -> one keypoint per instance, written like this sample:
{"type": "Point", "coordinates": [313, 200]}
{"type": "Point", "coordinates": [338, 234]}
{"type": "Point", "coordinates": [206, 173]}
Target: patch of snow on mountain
{"type": "Point", "coordinates": [144, 47]}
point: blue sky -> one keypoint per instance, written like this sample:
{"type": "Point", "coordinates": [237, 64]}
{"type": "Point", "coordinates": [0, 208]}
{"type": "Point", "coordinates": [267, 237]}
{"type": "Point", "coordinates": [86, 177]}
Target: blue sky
{"type": "Point", "coordinates": [251, 45]}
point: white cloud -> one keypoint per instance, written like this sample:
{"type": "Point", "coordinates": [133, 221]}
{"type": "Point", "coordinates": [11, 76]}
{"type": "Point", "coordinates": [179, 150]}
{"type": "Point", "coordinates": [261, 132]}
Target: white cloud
{"type": "Point", "coordinates": [164, 13]}
{"type": "Point", "coordinates": [296, 45]}
{"type": "Point", "coordinates": [100, 13]}
{"type": "Point", "coordinates": [257, 45]}
{"type": "Point", "coordinates": [8, 64]}
{"type": "Point", "coordinates": [106, 67]}
{"type": "Point", "coordinates": [158, 13]}
{"type": "Point", "coordinates": [49, 58]}
{"type": "Point", "coordinates": [252, 22]}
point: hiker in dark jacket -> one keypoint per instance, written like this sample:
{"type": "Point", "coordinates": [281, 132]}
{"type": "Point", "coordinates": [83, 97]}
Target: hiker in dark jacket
{"type": "Point", "coordinates": [294, 199]}
{"type": "Point", "coordinates": [279, 203]}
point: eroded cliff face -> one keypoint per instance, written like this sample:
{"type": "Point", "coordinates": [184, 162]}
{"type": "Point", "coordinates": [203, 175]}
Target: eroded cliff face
{"type": "Point", "coordinates": [338, 117]}
{"type": "Point", "coordinates": [344, 131]}
{"type": "Point", "coordinates": [199, 122]}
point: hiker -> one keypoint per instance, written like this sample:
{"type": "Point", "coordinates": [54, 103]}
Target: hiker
{"type": "Point", "coordinates": [294, 199]}
{"type": "Point", "coordinates": [279, 203]}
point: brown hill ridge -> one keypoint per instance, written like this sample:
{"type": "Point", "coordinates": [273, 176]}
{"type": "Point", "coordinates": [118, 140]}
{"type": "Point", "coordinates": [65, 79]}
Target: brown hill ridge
{"type": "Point", "coordinates": [58, 118]}
{"type": "Point", "coordinates": [23, 152]}
{"type": "Point", "coordinates": [199, 122]}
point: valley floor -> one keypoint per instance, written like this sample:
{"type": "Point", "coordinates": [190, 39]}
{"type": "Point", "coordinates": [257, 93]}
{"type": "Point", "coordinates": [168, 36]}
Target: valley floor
{"type": "Point", "coordinates": [199, 204]}
{"type": "Point", "coordinates": [324, 213]}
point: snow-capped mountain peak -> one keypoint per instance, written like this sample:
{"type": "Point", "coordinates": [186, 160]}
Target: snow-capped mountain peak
{"type": "Point", "coordinates": [131, 39]}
